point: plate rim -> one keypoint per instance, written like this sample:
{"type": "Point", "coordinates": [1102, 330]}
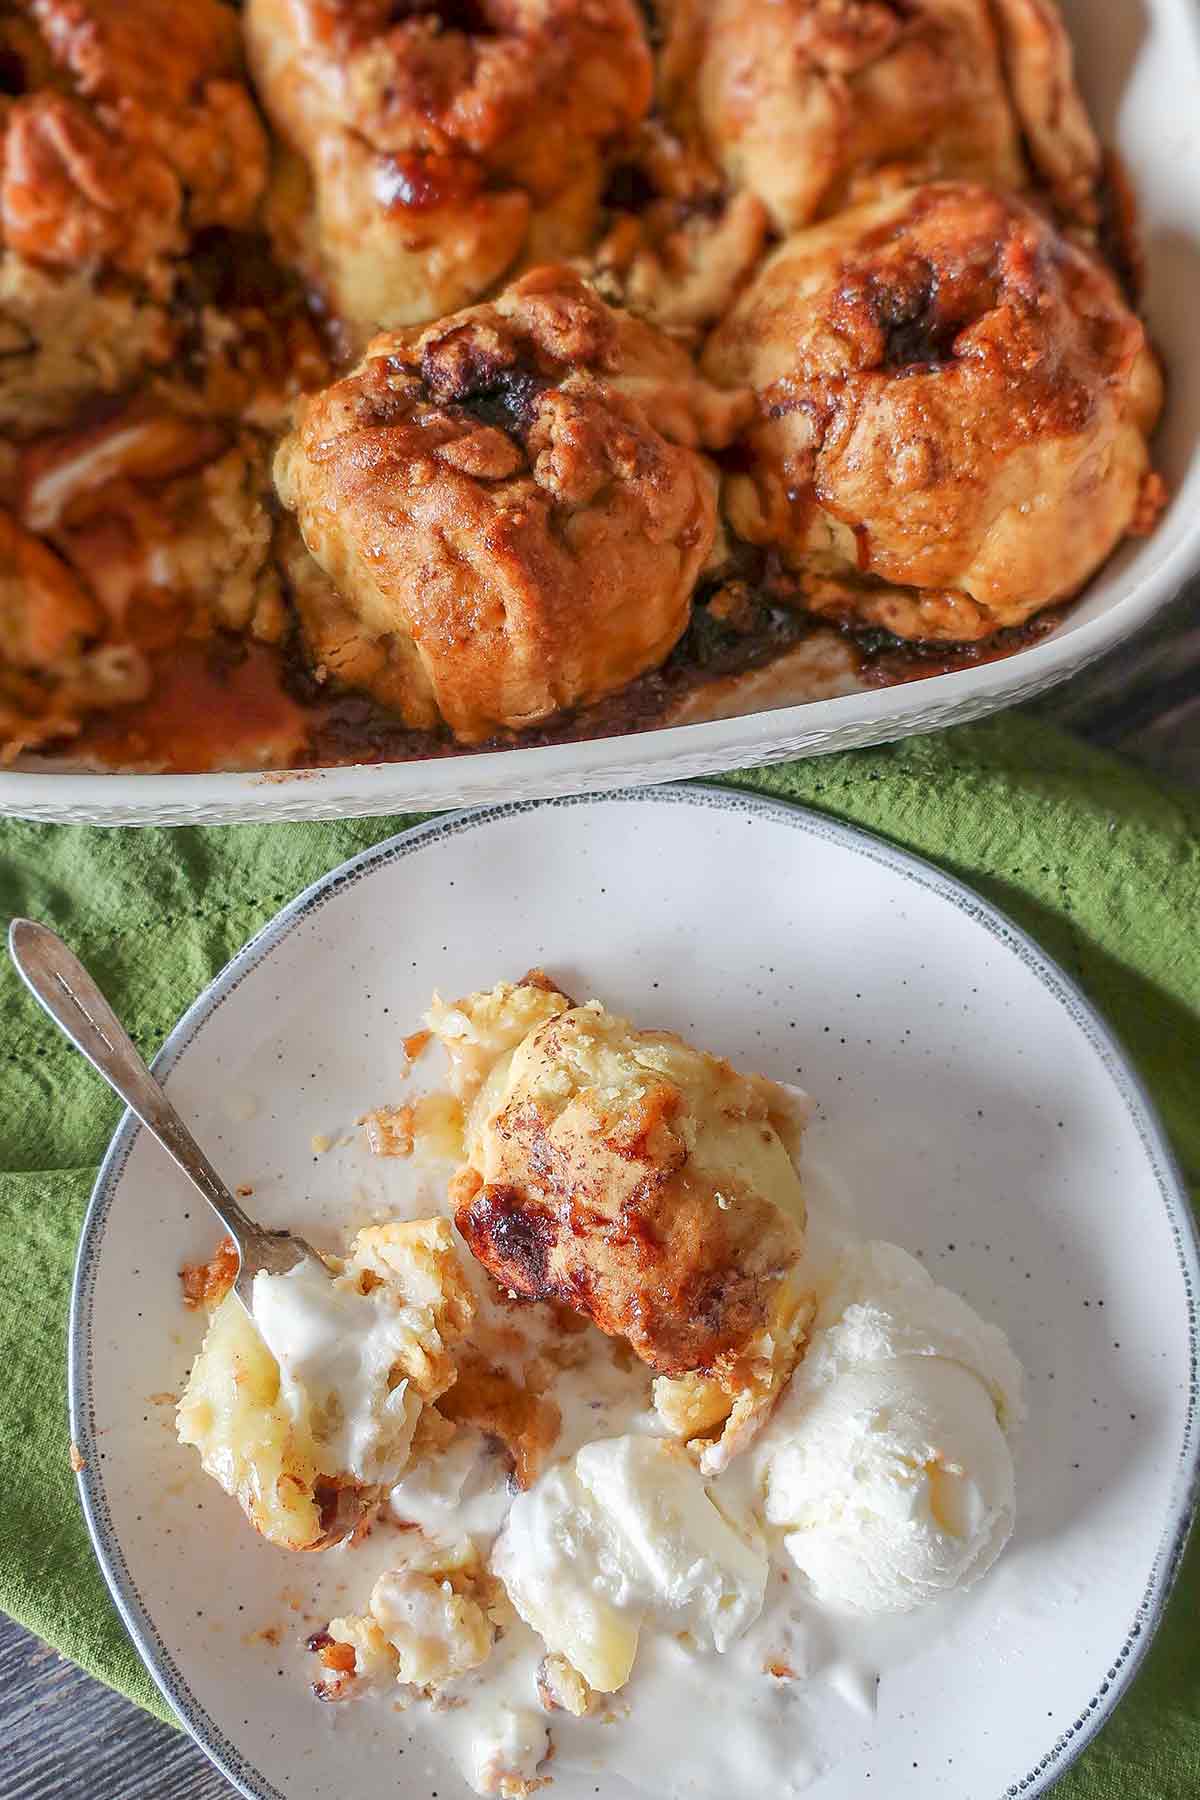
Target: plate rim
{"type": "Point", "coordinates": [1103, 1040]}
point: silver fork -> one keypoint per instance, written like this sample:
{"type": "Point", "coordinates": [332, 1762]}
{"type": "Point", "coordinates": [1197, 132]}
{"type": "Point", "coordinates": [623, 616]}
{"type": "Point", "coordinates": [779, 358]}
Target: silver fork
{"type": "Point", "coordinates": [58, 980]}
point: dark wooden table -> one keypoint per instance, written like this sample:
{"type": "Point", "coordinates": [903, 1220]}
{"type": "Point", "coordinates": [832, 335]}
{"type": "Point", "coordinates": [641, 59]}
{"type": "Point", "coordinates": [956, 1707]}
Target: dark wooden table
{"type": "Point", "coordinates": [65, 1737]}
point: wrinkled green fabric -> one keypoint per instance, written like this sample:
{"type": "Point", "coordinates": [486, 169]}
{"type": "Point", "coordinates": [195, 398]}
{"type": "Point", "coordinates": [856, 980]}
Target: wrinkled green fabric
{"type": "Point", "coordinates": [1094, 859]}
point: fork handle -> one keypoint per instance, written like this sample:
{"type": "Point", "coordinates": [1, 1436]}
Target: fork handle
{"type": "Point", "coordinates": [58, 980]}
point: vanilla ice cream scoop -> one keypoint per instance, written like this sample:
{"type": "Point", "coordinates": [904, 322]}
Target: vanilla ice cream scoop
{"type": "Point", "coordinates": [888, 1462]}
{"type": "Point", "coordinates": [878, 1302]}
{"type": "Point", "coordinates": [623, 1534]}
{"type": "Point", "coordinates": [896, 1486]}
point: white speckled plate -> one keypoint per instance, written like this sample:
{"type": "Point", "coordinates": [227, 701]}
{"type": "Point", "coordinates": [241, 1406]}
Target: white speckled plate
{"type": "Point", "coordinates": [977, 1107]}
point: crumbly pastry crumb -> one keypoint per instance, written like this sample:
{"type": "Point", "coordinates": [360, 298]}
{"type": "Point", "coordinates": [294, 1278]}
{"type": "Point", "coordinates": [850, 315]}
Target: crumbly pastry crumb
{"type": "Point", "coordinates": [505, 1407]}
{"type": "Point", "coordinates": [429, 1619]}
{"type": "Point", "coordinates": [207, 1283]}
{"type": "Point", "coordinates": [510, 1755]}
{"type": "Point", "coordinates": [389, 1130]}
{"type": "Point", "coordinates": [429, 1127]}
{"type": "Point", "coordinates": [561, 1688]}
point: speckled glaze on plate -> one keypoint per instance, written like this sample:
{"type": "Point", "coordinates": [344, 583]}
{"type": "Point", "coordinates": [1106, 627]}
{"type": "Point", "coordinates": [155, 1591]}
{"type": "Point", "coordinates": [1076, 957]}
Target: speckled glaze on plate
{"type": "Point", "coordinates": [978, 1109]}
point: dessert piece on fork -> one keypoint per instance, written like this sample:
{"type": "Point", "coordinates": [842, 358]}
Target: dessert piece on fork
{"type": "Point", "coordinates": [304, 1410]}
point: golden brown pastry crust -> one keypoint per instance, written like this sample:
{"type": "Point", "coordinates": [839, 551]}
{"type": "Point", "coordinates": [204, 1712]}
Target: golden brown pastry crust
{"type": "Point", "coordinates": [444, 144]}
{"type": "Point", "coordinates": [1058, 135]}
{"type": "Point", "coordinates": [808, 103]}
{"type": "Point", "coordinates": [176, 95]}
{"type": "Point", "coordinates": [53, 666]}
{"type": "Point", "coordinates": [954, 403]}
{"type": "Point", "coordinates": [162, 518]}
{"type": "Point", "coordinates": [71, 194]}
{"type": "Point", "coordinates": [603, 1208]}
{"type": "Point", "coordinates": [685, 246]}
{"type": "Point", "coordinates": [512, 501]}
{"type": "Point", "coordinates": [123, 141]}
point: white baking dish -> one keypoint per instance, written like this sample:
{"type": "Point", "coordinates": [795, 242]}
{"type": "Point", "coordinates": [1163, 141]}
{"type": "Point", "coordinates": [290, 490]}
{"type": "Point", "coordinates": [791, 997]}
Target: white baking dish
{"type": "Point", "coordinates": [1139, 65]}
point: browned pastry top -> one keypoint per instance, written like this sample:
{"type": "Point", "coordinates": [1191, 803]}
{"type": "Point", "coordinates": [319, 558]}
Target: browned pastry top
{"type": "Point", "coordinates": [124, 138]}
{"type": "Point", "coordinates": [610, 1208]}
{"type": "Point", "coordinates": [952, 397]}
{"type": "Point", "coordinates": [445, 143]}
{"type": "Point", "coordinates": [444, 76]}
{"type": "Point", "coordinates": [815, 105]}
{"type": "Point", "coordinates": [514, 499]}
{"type": "Point", "coordinates": [810, 104]}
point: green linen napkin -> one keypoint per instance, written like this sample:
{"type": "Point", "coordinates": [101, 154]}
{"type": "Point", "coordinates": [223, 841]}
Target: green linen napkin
{"type": "Point", "coordinates": [1101, 865]}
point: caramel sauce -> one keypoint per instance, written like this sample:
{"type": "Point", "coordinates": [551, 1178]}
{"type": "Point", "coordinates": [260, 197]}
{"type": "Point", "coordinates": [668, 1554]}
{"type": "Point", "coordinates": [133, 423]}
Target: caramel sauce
{"type": "Point", "coordinates": [222, 706]}
{"type": "Point", "coordinates": [213, 705]}
{"type": "Point", "coordinates": [206, 1284]}
{"type": "Point", "coordinates": [889, 661]}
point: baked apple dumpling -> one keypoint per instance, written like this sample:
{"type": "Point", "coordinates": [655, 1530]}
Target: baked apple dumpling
{"type": "Point", "coordinates": [953, 410]}
{"type": "Point", "coordinates": [643, 1183]}
{"type": "Point", "coordinates": [443, 143]}
{"type": "Point", "coordinates": [798, 99]}
{"type": "Point", "coordinates": [119, 141]}
{"type": "Point", "coordinates": [509, 507]}
{"type": "Point", "coordinates": [814, 105]}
